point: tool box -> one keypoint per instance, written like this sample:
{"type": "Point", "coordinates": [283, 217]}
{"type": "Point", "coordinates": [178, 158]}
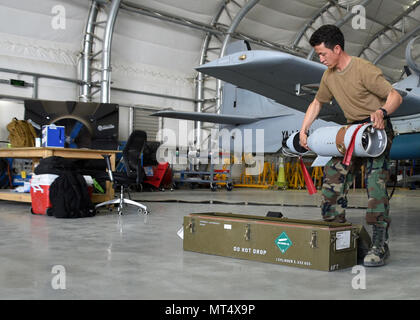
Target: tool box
{"type": "Point", "coordinates": [308, 244]}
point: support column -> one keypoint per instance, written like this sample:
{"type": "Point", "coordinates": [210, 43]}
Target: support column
{"type": "Point", "coordinates": [86, 59]}
{"type": "Point", "coordinates": [106, 52]}
{"type": "Point", "coordinates": [199, 89]}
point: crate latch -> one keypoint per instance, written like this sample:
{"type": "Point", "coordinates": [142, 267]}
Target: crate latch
{"type": "Point", "coordinates": [247, 234]}
{"type": "Point", "coordinates": [314, 238]}
{"type": "Point", "coordinates": [190, 226]}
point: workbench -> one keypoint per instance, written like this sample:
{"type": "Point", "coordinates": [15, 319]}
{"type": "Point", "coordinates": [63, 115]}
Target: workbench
{"type": "Point", "coordinates": [37, 153]}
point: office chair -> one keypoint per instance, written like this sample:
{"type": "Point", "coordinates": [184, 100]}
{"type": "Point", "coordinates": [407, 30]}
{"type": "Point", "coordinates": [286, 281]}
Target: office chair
{"type": "Point", "coordinates": [133, 175]}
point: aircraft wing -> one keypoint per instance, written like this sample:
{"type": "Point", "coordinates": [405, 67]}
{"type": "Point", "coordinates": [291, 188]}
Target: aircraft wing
{"type": "Point", "coordinates": [275, 75]}
{"type": "Point", "coordinates": [208, 117]}
{"type": "Point", "coordinates": [279, 76]}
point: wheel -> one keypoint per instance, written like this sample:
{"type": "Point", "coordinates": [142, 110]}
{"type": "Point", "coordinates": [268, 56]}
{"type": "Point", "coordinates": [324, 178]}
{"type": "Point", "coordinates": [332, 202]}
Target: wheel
{"type": "Point", "coordinates": [143, 211]}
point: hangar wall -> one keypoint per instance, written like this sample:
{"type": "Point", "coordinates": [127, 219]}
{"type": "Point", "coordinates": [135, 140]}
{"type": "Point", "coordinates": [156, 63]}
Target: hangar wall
{"type": "Point", "coordinates": [34, 44]}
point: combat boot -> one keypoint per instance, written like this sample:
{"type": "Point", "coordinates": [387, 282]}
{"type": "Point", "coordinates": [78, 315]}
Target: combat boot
{"type": "Point", "coordinates": [379, 251]}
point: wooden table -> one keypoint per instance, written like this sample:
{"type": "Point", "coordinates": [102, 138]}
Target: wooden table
{"type": "Point", "coordinates": [37, 153]}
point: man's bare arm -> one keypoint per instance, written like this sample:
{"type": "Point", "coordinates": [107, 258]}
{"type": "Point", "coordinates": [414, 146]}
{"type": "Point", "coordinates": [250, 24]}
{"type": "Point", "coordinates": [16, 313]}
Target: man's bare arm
{"type": "Point", "coordinates": [311, 114]}
{"type": "Point", "coordinates": [393, 101]}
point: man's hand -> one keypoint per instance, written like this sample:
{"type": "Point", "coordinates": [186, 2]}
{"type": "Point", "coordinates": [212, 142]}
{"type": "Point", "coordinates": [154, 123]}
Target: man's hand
{"type": "Point", "coordinates": [303, 137]}
{"type": "Point", "coordinates": [393, 101]}
{"type": "Point", "coordinates": [377, 119]}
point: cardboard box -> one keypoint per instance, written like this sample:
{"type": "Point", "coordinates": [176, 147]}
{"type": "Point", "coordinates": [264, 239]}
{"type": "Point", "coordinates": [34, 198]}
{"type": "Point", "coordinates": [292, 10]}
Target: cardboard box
{"type": "Point", "coordinates": [300, 243]}
{"type": "Point", "coordinates": [53, 136]}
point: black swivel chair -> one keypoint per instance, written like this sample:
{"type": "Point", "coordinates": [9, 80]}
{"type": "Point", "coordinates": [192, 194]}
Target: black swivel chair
{"type": "Point", "coordinates": [133, 175]}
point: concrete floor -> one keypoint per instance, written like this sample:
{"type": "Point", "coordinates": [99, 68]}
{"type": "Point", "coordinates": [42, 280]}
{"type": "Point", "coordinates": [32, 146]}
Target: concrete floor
{"type": "Point", "coordinates": [141, 257]}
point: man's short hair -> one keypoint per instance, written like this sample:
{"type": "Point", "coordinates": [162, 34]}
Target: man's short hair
{"type": "Point", "coordinates": [328, 34]}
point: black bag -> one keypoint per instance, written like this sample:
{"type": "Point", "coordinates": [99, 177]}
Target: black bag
{"type": "Point", "coordinates": [69, 197]}
{"type": "Point", "coordinates": [54, 165]}
{"type": "Point", "coordinates": [4, 173]}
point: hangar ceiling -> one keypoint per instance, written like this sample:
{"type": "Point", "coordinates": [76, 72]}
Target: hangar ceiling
{"type": "Point", "coordinates": [287, 25]}
{"type": "Point", "coordinates": [164, 39]}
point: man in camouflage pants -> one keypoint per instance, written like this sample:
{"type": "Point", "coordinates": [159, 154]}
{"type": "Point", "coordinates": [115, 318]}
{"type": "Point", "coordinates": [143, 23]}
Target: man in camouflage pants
{"type": "Point", "coordinates": [364, 95]}
{"type": "Point", "coordinates": [337, 180]}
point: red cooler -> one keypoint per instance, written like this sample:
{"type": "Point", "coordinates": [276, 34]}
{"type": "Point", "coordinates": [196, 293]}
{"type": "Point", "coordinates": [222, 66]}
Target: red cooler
{"type": "Point", "coordinates": [40, 192]}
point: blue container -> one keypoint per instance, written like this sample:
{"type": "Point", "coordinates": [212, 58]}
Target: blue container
{"type": "Point", "coordinates": [53, 136]}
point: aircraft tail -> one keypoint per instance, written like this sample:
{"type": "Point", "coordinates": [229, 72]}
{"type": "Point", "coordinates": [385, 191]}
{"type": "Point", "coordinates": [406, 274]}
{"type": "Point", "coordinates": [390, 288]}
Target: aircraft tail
{"type": "Point", "coordinates": [409, 57]}
{"type": "Point", "coordinates": [239, 106]}
{"type": "Point", "coordinates": [241, 102]}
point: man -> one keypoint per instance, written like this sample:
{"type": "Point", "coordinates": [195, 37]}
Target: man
{"type": "Point", "coordinates": [364, 95]}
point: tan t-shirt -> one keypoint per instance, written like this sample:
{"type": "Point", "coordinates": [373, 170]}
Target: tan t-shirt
{"type": "Point", "coordinates": [359, 89]}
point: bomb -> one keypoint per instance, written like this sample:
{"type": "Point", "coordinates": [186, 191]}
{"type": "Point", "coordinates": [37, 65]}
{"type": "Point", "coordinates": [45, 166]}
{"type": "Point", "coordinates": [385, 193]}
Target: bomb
{"type": "Point", "coordinates": [334, 141]}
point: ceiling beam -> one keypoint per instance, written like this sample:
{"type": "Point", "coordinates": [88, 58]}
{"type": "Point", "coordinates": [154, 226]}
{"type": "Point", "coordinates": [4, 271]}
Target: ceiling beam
{"type": "Point", "coordinates": [390, 26]}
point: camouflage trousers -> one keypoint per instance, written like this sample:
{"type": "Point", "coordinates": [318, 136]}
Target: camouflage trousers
{"type": "Point", "coordinates": [338, 179]}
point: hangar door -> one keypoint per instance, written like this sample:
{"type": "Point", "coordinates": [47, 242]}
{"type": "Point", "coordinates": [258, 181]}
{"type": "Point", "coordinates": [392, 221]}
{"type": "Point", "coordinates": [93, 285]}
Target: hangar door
{"type": "Point", "coordinates": [143, 121]}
